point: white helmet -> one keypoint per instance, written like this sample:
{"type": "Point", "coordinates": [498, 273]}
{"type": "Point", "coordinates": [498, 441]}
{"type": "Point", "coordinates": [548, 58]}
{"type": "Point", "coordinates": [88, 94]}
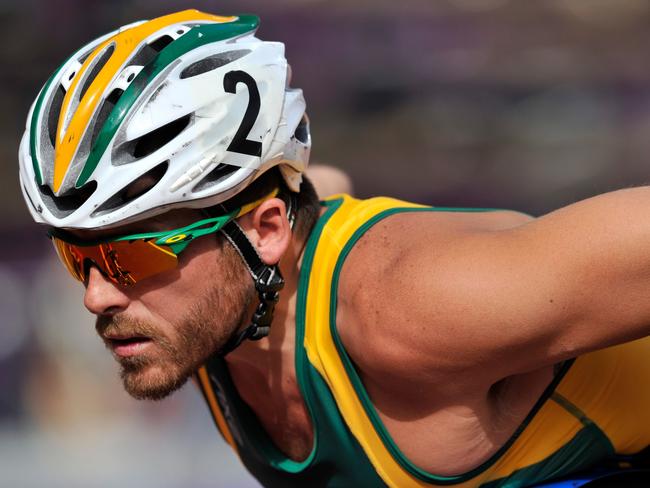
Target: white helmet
{"type": "Point", "coordinates": [181, 111]}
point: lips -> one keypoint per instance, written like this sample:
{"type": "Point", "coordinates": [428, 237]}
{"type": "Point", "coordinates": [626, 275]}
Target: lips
{"type": "Point", "coordinates": [125, 346]}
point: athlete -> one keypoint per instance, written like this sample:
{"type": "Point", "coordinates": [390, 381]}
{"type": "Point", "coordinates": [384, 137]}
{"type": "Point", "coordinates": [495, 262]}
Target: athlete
{"type": "Point", "coordinates": [343, 343]}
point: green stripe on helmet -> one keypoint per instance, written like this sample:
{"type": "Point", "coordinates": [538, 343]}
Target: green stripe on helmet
{"type": "Point", "coordinates": [198, 36]}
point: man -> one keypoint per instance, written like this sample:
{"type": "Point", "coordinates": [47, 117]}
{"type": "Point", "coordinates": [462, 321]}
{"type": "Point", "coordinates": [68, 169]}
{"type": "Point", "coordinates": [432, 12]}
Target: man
{"type": "Point", "coordinates": [378, 342]}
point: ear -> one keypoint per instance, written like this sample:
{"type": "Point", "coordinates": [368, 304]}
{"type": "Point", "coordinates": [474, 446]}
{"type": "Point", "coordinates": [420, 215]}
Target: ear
{"type": "Point", "coordinates": [268, 229]}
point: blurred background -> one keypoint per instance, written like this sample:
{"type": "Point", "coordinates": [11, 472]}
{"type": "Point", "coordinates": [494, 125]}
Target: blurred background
{"type": "Point", "coordinates": [494, 103]}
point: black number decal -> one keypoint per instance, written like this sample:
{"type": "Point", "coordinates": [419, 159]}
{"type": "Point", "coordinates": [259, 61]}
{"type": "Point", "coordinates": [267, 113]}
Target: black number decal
{"type": "Point", "coordinates": [239, 143]}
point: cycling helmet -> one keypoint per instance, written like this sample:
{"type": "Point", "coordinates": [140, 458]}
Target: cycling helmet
{"type": "Point", "coordinates": [181, 111]}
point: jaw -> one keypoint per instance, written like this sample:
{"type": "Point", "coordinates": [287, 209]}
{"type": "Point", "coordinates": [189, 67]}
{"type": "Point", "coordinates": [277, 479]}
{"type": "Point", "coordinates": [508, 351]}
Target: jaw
{"type": "Point", "coordinates": [152, 381]}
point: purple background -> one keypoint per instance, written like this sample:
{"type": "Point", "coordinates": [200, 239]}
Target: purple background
{"type": "Point", "coordinates": [495, 103]}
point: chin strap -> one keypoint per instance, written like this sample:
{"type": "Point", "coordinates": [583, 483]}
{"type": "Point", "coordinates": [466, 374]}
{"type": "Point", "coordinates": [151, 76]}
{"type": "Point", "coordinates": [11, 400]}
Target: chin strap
{"type": "Point", "coordinates": [268, 283]}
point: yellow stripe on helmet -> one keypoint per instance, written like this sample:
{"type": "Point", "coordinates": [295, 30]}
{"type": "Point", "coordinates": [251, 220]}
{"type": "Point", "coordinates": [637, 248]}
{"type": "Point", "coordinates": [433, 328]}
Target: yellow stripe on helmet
{"type": "Point", "coordinates": [125, 43]}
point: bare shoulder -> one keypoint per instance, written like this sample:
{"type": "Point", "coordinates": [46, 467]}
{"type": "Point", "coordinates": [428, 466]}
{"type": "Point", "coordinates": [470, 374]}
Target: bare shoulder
{"type": "Point", "coordinates": [387, 317]}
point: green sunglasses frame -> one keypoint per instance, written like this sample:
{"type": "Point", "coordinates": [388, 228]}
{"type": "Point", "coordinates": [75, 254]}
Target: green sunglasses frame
{"type": "Point", "coordinates": [176, 239]}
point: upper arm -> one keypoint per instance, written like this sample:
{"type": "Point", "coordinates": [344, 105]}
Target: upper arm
{"type": "Point", "coordinates": [495, 302]}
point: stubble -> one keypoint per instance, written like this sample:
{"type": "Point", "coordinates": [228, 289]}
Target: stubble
{"type": "Point", "coordinates": [206, 327]}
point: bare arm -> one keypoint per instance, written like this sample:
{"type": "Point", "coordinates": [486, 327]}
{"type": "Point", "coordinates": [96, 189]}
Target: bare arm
{"type": "Point", "coordinates": [492, 303]}
{"type": "Point", "coordinates": [572, 281]}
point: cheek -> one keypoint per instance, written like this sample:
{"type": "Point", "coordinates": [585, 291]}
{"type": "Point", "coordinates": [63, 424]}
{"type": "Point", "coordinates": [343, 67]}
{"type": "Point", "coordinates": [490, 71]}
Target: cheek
{"type": "Point", "coordinates": [195, 267]}
{"type": "Point", "coordinates": [200, 264]}
{"type": "Point", "coordinates": [170, 296]}
{"type": "Point", "coordinates": [210, 283]}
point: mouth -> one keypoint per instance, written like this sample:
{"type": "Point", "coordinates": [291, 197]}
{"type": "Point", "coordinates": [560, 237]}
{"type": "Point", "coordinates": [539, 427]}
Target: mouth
{"type": "Point", "coordinates": [127, 346]}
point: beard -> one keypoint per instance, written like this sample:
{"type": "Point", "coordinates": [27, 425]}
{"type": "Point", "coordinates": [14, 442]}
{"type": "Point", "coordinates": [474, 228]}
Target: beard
{"type": "Point", "coordinates": [203, 331]}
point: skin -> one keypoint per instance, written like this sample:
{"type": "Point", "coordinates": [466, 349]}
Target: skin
{"type": "Point", "coordinates": [493, 300]}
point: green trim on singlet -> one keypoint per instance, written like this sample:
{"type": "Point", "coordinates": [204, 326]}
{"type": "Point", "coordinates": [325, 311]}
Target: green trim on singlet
{"type": "Point", "coordinates": [250, 427]}
{"type": "Point", "coordinates": [262, 441]}
{"type": "Point", "coordinates": [572, 408]}
{"type": "Point", "coordinates": [363, 394]}
{"type": "Point", "coordinates": [323, 410]}
{"type": "Point", "coordinates": [588, 447]}
{"type": "Point", "coordinates": [337, 458]}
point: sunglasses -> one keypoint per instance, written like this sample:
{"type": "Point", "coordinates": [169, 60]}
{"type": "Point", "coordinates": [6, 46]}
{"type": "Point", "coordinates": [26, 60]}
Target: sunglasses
{"type": "Point", "coordinates": [128, 259]}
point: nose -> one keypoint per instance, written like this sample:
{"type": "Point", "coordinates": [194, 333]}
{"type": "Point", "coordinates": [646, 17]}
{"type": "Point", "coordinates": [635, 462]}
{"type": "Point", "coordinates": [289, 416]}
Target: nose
{"type": "Point", "coordinates": [102, 296]}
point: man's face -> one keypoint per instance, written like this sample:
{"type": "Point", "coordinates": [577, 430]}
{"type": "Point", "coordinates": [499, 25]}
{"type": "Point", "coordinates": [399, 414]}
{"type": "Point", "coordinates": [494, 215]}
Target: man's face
{"type": "Point", "coordinates": [164, 327]}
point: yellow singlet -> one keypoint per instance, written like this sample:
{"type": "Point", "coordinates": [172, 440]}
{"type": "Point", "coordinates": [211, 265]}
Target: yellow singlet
{"type": "Point", "coordinates": [596, 409]}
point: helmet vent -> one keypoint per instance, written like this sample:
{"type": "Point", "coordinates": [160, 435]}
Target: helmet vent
{"type": "Point", "coordinates": [64, 205]}
{"type": "Point", "coordinates": [213, 62]}
{"type": "Point", "coordinates": [85, 56]}
{"type": "Point", "coordinates": [218, 174]}
{"type": "Point", "coordinates": [161, 43]}
{"type": "Point", "coordinates": [39, 209]}
{"type": "Point", "coordinates": [97, 67]}
{"type": "Point", "coordinates": [144, 55]}
{"type": "Point", "coordinates": [148, 52]}
{"type": "Point", "coordinates": [154, 140]}
{"type": "Point", "coordinates": [302, 131]}
{"type": "Point", "coordinates": [134, 190]}
{"type": "Point", "coordinates": [104, 112]}
{"type": "Point", "coordinates": [53, 113]}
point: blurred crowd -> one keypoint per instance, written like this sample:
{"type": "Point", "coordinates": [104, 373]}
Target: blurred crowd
{"type": "Point", "coordinates": [471, 103]}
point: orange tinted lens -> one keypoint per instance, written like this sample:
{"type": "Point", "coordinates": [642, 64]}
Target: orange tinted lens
{"type": "Point", "coordinates": [123, 262]}
{"type": "Point", "coordinates": [71, 259]}
{"type": "Point", "coordinates": [128, 262]}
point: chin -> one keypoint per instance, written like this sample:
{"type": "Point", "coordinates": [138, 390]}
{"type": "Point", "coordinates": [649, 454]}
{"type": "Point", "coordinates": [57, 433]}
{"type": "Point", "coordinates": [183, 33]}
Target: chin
{"type": "Point", "coordinates": [152, 382]}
